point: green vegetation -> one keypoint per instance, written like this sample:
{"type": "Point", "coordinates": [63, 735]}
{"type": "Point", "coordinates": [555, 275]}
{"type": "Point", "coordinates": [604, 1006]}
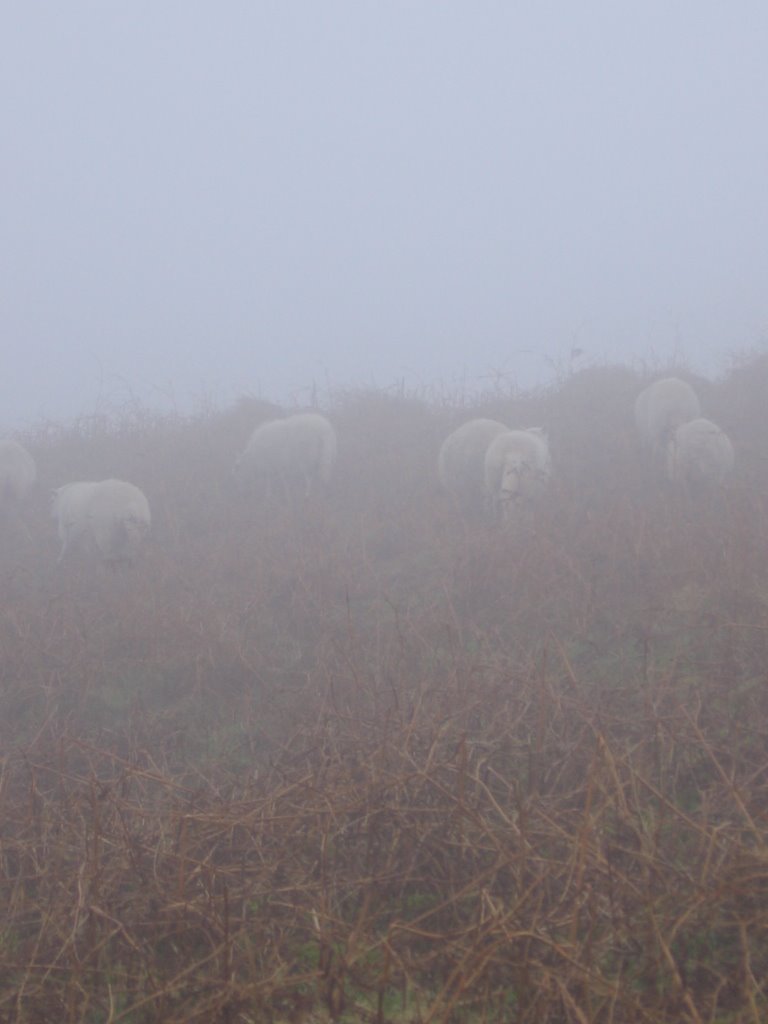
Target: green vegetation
{"type": "Point", "coordinates": [357, 759]}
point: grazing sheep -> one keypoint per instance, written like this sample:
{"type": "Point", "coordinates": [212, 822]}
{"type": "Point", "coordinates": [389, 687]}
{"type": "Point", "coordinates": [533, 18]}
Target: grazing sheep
{"type": "Point", "coordinates": [111, 514]}
{"type": "Point", "coordinates": [517, 466]}
{"type": "Point", "coordinates": [297, 449]}
{"type": "Point", "coordinates": [661, 408]}
{"type": "Point", "coordinates": [460, 463]}
{"type": "Point", "coordinates": [699, 454]}
{"type": "Point", "coordinates": [17, 474]}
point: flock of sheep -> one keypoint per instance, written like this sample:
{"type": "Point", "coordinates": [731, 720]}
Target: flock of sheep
{"type": "Point", "coordinates": [481, 464]}
{"type": "Point", "coordinates": [695, 450]}
{"type": "Point", "coordinates": [483, 460]}
{"type": "Point", "coordinates": [113, 516]}
{"type": "Point", "coordinates": [484, 463]}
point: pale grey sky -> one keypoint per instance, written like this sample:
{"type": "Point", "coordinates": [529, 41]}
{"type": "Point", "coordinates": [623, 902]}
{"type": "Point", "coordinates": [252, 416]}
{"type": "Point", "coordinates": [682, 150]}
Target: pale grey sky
{"type": "Point", "coordinates": [256, 196]}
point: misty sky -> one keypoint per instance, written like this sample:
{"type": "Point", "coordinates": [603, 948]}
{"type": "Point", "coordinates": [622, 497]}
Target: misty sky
{"type": "Point", "coordinates": [201, 198]}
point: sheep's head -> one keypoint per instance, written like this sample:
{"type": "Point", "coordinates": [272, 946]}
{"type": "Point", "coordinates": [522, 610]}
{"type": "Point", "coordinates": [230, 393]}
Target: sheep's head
{"type": "Point", "coordinates": [514, 469]}
{"type": "Point", "coordinates": [246, 472]}
{"type": "Point", "coordinates": [127, 538]}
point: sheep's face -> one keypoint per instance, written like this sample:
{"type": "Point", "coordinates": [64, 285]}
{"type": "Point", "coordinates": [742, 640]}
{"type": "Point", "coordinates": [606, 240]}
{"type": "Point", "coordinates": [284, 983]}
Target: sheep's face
{"type": "Point", "coordinates": [136, 527]}
{"type": "Point", "coordinates": [248, 469]}
{"type": "Point", "coordinates": [127, 538]}
{"type": "Point", "coordinates": [248, 476]}
{"type": "Point", "coordinates": [520, 481]}
{"type": "Point", "coordinates": [510, 481]}
{"type": "Point", "coordinates": [515, 468]}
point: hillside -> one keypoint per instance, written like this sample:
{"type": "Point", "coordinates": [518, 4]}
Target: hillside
{"type": "Point", "coordinates": [357, 758]}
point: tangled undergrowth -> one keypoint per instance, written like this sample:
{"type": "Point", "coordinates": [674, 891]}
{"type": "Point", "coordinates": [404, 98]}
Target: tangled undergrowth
{"type": "Point", "coordinates": [361, 760]}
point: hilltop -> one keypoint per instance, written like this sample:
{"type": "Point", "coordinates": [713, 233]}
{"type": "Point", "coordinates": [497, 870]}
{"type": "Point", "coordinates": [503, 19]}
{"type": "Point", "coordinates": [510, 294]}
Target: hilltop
{"type": "Point", "coordinates": [357, 758]}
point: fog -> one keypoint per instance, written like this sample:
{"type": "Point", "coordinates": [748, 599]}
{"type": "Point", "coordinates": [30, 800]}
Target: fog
{"type": "Point", "coordinates": [202, 200]}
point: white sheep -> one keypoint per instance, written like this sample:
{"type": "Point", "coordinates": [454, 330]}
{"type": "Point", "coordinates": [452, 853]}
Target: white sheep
{"type": "Point", "coordinates": [699, 454]}
{"type": "Point", "coordinates": [113, 515]}
{"type": "Point", "coordinates": [17, 474]}
{"type": "Point", "coordinates": [661, 408]}
{"type": "Point", "coordinates": [299, 449]}
{"type": "Point", "coordinates": [517, 466]}
{"type": "Point", "coordinates": [460, 462]}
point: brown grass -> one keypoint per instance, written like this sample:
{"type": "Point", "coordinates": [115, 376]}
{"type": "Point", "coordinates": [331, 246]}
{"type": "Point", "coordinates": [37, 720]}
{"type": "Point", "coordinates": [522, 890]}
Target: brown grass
{"type": "Point", "coordinates": [360, 760]}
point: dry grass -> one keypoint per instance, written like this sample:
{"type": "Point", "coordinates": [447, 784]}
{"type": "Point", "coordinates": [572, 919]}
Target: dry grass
{"type": "Point", "coordinates": [364, 761]}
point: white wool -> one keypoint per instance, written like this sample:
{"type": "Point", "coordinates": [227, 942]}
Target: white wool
{"type": "Point", "coordinates": [113, 515]}
{"type": "Point", "coordinates": [517, 466]}
{"type": "Point", "coordinates": [300, 448]}
{"type": "Point", "coordinates": [699, 453]}
{"type": "Point", "coordinates": [661, 408]}
{"type": "Point", "coordinates": [460, 462]}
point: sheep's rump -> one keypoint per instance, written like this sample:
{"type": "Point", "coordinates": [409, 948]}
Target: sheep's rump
{"type": "Point", "coordinates": [298, 448]}
{"type": "Point", "coordinates": [662, 407]}
{"type": "Point", "coordinates": [113, 514]}
{"type": "Point", "coordinates": [700, 452]}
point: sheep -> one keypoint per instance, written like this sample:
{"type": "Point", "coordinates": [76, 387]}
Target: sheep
{"type": "Point", "coordinates": [17, 473]}
{"type": "Point", "coordinates": [699, 454]}
{"type": "Point", "coordinates": [661, 408]}
{"type": "Point", "coordinates": [517, 466]}
{"type": "Point", "coordinates": [112, 515]}
{"type": "Point", "coordinates": [460, 465]}
{"type": "Point", "coordinates": [300, 449]}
